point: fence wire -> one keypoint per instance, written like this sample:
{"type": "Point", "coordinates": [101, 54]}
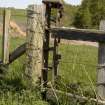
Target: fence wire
{"type": "Point", "coordinates": [77, 69]}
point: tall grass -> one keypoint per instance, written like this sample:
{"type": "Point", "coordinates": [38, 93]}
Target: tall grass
{"type": "Point", "coordinates": [77, 68]}
{"type": "Point", "coordinates": [77, 71]}
{"type": "Point", "coordinates": [13, 88]}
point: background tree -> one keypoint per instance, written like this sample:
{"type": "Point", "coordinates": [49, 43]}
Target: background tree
{"type": "Point", "coordinates": [83, 16]}
{"type": "Point", "coordinates": [90, 13]}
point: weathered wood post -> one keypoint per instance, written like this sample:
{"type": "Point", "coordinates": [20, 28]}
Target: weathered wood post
{"type": "Point", "coordinates": [34, 46]}
{"type": "Point", "coordinates": [101, 66]}
{"type": "Point", "coordinates": [6, 21]}
{"type": "Point", "coordinates": [46, 43]}
{"type": "Point", "coordinates": [57, 56]}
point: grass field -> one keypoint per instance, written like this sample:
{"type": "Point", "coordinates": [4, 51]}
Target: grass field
{"type": "Point", "coordinates": [18, 15]}
{"type": "Point", "coordinates": [13, 87]}
{"type": "Point", "coordinates": [77, 66]}
{"type": "Point", "coordinates": [77, 70]}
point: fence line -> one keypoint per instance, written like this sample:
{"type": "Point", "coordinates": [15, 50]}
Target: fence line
{"type": "Point", "coordinates": [37, 48]}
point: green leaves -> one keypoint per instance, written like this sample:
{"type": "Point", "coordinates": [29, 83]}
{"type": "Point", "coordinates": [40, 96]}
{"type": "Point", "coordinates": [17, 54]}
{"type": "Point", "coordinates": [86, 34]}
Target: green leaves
{"type": "Point", "coordinates": [90, 14]}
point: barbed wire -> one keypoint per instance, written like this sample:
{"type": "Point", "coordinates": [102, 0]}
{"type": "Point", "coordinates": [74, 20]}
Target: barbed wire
{"type": "Point", "coordinates": [81, 63]}
{"type": "Point", "coordinates": [68, 61]}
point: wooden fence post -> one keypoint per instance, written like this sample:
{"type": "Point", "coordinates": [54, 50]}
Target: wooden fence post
{"type": "Point", "coordinates": [101, 66]}
{"type": "Point", "coordinates": [34, 46]}
{"type": "Point", "coordinates": [5, 49]}
{"type": "Point", "coordinates": [47, 15]}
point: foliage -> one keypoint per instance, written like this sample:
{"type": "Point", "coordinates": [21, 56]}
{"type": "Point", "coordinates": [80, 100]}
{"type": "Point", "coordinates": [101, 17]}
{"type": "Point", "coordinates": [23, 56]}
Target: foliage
{"type": "Point", "coordinates": [83, 16]}
{"type": "Point", "coordinates": [94, 12]}
{"type": "Point", "coordinates": [69, 13]}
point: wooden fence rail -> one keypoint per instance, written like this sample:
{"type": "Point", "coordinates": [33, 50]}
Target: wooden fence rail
{"type": "Point", "coordinates": [37, 45]}
{"type": "Point", "coordinates": [17, 53]}
{"type": "Point", "coordinates": [79, 34]}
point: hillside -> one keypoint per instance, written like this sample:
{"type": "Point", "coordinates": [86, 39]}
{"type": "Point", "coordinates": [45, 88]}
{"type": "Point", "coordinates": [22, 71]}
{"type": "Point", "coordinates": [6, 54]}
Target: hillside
{"type": "Point", "coordinates": [17, 23]}
{"type": "Point", "coordinates": [18, 17]}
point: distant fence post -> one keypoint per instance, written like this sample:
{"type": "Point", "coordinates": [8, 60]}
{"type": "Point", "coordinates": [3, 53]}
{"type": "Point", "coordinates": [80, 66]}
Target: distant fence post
{"type": "Point", "coordinates": [5, 47]}
{"type": "Point", "coordinates": [34, 47]}
{"type": "Point", "coordinates": [101, 66]}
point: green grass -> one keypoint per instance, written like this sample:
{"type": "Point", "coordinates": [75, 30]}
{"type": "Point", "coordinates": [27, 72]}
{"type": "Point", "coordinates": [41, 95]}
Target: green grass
{"type": "Point", "coordinates": [78, 70]}
{"type": "Point", "coordinates": [76, 61]}
{"type": "Point", "coordinates": [13, 88]}
{"type": "Point", "coordinates": [17, 15]}
{"type": "Point", "coordinates": [77, 66]}
{"type": "Point", "coordinates": [20, 98]}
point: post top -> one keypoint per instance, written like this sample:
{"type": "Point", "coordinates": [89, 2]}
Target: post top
{"type": "Point", "coordinates": [53, 4]}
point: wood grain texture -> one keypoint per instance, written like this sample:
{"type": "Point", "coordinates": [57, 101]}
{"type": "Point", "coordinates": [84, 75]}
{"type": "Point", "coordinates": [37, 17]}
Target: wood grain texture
{"type": "Point", "coordinates": [34, 46]}
{"type": "Point", "coordinates": [79, 34]}
{"type": "Point", "coordinates": [17, 53]}
{"type": "Point", "coordinates": [5, 47]}
{"type": "Point", "coordinates": [101, 66]}
{"type": "Point", "coordinates": [46, 45]}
